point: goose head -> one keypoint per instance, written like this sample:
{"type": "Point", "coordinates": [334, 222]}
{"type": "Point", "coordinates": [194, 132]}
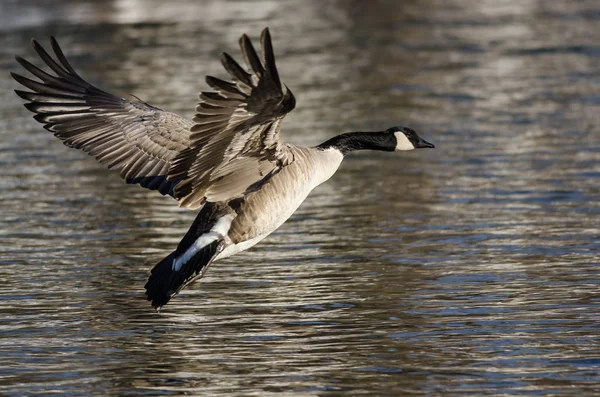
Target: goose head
{"type": "Point", "coordinates": [391, 140]}
{"type": "Point", "coordinates": [407, 139]}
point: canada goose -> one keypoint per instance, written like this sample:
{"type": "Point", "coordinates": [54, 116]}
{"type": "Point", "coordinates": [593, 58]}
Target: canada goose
{"type": "Point", "coordinates": [229, 163]}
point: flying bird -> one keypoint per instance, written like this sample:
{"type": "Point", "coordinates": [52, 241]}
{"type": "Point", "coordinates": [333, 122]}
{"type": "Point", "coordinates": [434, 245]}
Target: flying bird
{"type": "Point", "coordinates": [229, 162]}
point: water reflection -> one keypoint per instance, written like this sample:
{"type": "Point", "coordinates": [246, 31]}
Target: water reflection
{"type": "Point", "coordinates": [464, 270]}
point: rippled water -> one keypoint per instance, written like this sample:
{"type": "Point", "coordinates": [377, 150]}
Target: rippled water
{"type": "Point", "coordinates": [471, 269]}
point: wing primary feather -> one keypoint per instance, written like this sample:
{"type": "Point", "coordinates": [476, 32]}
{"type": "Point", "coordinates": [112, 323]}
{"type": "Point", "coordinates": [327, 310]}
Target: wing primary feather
{"type": "Point", "coordinates": [60, 71]}
{"type": "Point", "coordinates": [62, 117]}
{"type": "Point", "coordinates": [39, 87]}
{"type": "Point", "coordinates": [250, 56]}
{"type": "Point", "coordinates": [212, 98]}
{"type": "Point", "coordinates": [208, 109]}
{"type": "Point", "coordinates": [61, 57]}
{"type": "Point", "coordinates": [47, 78]}
{"type": "Point", "coordinates": [44, 98]}
{"type": "Point", "coordinates": [54, 107]}
{"type": "Point", "coordinates": [225, 86]}
{"type": "Point", "coordinates": [269, 56]}
{"type": "Point", "coordinates": [235, 70]}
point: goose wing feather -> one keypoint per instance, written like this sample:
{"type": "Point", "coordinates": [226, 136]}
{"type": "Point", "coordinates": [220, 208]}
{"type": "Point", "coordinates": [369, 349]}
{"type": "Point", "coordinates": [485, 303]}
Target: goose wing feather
{"type": "Point", "coordinates": [235, 140]}
{"type": "Point", "coordinates": [136, 138]}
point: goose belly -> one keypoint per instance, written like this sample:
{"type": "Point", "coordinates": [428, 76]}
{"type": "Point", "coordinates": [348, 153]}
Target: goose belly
{"type": "Point", "coordinates": [261, 216]}
{"type": "Point", "coordinates": [263, 211]}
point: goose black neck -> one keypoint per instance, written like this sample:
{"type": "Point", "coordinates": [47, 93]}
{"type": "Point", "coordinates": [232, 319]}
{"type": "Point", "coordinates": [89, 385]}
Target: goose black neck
{"type": "Point", "coordinates": [352, 141]}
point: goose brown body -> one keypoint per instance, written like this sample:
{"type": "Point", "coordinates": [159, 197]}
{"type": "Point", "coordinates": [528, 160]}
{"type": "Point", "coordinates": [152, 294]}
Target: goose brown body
{"type": "Point", "coordinates": [265, 209]}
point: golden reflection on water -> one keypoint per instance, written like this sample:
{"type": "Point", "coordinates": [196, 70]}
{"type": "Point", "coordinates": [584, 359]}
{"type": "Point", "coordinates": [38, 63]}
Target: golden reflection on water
{"type": "Point", "coordinates": [470, 269]}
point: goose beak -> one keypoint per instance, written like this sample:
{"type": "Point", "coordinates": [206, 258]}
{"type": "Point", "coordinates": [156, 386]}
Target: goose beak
{"type": "Point", "coordinates": [422, 143]}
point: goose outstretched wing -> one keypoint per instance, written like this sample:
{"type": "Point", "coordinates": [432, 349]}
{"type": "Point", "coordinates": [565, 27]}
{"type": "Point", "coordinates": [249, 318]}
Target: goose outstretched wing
{"type": "Point", "coordinates": [230, 148]}
{"type": "Point", "coordinates": [235, 143]}
{"type": "Point", "coordinates": [133, 137]}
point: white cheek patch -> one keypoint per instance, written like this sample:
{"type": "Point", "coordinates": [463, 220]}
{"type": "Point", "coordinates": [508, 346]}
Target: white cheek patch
{"type": "Point", "coordinates": [403, 142]}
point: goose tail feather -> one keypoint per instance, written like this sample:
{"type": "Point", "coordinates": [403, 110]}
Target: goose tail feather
{"type": "Point", "coordinates": [168, 278]}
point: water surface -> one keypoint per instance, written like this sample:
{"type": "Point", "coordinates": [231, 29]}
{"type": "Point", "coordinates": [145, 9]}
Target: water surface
{"type": "Point", "coordinates": [471, 269]}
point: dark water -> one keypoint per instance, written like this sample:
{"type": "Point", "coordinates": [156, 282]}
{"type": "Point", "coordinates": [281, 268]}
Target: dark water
{"type": "Point", "coordinates": [471, 269]}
